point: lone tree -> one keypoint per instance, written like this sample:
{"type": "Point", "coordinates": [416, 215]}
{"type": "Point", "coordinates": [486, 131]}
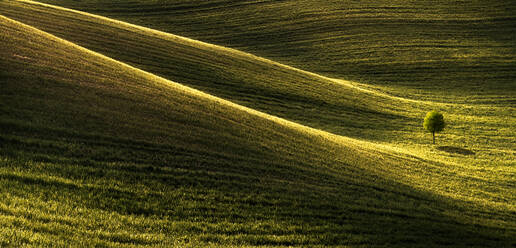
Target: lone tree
{"type": "Point", "coordinates": [434, 122]}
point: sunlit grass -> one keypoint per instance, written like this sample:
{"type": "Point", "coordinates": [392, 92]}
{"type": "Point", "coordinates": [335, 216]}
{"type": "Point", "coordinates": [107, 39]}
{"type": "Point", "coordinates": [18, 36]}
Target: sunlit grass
{"type": "Point", "coordinates": [97, 152]}
{"type": "Point", "coordinates": [441, 50]}
{"type": "Point", "coordinates": [346, 109]}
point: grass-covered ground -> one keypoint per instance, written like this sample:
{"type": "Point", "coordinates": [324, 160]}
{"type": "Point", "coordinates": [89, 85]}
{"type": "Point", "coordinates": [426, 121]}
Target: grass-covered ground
{"type": "Point", "coordinates": [451, 51]}
{"type": "Point", "coordinates": [283, 91]}
{"type": "Point", "coordinates": [97, 152]}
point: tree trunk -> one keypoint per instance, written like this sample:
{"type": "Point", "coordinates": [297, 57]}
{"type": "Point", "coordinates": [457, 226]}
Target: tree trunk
{"type": "Point", "coordinates": [433, 138]}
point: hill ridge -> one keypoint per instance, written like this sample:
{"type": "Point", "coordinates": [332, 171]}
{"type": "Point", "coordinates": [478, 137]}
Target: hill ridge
{"type": "Point", "coordinates": [197, 92]}
{"type": "Point", "coordinates": [374, 149]}
{"type": "Point", "coordinates": [351, 117]}
{"type": "Point", "coordinates": [327, 80]}
{"type": "Point", "coordinates": [284, 186]}
{"type": "Point", "coordinates": [342, 82]}
{"type": "Point", "coordinates": [435, 51]}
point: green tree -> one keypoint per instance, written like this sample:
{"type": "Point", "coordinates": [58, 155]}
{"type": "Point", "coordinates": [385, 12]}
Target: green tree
{"type": "Point", "coordinates": [434, 123]}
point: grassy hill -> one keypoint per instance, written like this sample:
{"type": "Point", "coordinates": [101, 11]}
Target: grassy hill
{"type": "Point", "coordinates": [257, 83]}
{"type": "Point", "coordinates": [96, 152]}
{"type": "Point", "coordinates": [337, 106]}
{"type": "Point", "coordinates": [452, 51]}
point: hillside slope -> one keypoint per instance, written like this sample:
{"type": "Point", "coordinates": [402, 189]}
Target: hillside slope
{"type": "Point", "coordinates": [310, 99]}
{"type": "Point", "coordinates": [243, 78]}
{"type": "Point", "coordinates": [95, 152]}
{"type": "Point", "coordinates": [453, 51]}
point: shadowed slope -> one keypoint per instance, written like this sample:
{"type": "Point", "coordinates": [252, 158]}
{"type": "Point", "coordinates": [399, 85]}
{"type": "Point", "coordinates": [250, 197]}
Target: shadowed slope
{"type": "Point", "coordinates": [243, 78]}
{"type": "Point", "coordinates": [96, 152]}
{"type": "Point", "coordinates": [312, 100]}
{"type": "Point", "coordinates": [455, 51]}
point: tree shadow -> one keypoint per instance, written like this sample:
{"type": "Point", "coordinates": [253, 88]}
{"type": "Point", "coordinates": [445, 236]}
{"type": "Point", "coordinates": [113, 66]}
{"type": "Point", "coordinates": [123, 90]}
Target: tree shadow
{"type": "Point", "coordinates": [457, 150]}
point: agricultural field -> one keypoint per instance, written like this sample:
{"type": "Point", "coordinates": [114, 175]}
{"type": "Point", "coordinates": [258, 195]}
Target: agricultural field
{"type": "Point", "coordinates": [275, 123]}
{"type": "Point", "coordinates": [448, 51]}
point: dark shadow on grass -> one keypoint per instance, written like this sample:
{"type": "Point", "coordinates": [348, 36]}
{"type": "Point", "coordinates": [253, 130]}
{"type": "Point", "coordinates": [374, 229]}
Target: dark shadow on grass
{"type": "Point", "coordinates": [457, 150]}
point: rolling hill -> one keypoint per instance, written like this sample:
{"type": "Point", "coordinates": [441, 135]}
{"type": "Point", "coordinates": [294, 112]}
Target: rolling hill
{"type": "Point", "coordinates": [337, 106]}
{"type": "Point", "coordinates": [97, 152]}
{"type": "Point", "coordinates": [448, 51]}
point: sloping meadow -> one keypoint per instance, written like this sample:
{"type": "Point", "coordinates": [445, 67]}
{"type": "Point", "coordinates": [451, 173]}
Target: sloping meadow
{"type": "Point", "coordinates": [95, 152]}
{"type": "Point", "coordinates": [338, 106]}
{"type": "Point", "coordinates": [446, 51]}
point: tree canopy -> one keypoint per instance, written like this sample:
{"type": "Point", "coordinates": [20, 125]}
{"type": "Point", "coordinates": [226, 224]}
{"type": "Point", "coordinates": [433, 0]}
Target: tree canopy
{"type": "Point", "coordinates": [434, 123]}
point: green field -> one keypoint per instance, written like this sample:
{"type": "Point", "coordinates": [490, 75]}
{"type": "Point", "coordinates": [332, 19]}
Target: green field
{"type": "Point", "coordinates": [439, 50]}
{"type": "Point", "coordinates": [252, 151]}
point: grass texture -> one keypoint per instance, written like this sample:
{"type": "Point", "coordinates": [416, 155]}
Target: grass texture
{"type": "Point", "coordinates": [448, 51]}
{"type": "Point", "coordinates": [95, 152]}
{"type": "Point", "coordinates": [337, 106]}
